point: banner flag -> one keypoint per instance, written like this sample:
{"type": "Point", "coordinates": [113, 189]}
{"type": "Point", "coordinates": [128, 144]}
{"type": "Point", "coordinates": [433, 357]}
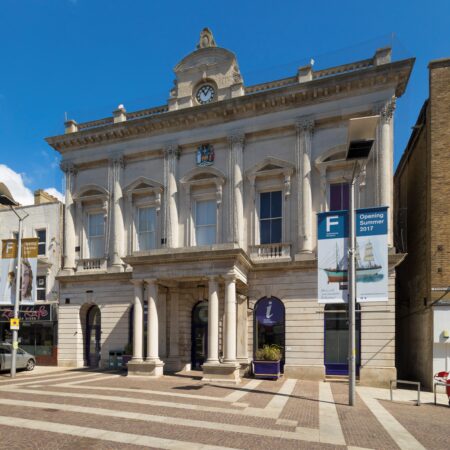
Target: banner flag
{"type": "Point", "coordinates": [8, 271]}
{"type": "Point", "coordinates": [371, 256]}
{"type": "Point", "coordinates": [332, 256]}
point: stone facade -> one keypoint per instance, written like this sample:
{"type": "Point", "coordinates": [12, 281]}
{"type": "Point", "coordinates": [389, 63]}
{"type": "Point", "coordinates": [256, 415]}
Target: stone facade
{"type": "Point", "coordinates": [421, 189]}
{"type": "Point", "coordinates": [287, 136]}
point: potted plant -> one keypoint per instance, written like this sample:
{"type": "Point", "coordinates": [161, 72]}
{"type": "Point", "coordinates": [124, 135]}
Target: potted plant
{"type": "Point", "coordinates": [267, 362]}
{"type": "Point", "coordinates": [127, 354]}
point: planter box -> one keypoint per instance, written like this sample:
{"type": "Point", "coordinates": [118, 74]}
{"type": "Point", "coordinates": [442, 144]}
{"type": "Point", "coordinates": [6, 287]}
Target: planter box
{"type": "Point", "coordinates": [266, 369]}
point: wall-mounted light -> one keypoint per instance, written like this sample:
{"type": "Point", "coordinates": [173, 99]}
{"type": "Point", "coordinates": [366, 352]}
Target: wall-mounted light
{"type": "Point", "coordinates": [446, 334]}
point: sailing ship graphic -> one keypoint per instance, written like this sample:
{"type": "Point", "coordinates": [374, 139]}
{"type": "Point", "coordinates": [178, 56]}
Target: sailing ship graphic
{"type": "Point", "coordinates": [366, 269]}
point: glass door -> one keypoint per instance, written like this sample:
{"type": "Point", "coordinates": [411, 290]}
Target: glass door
{"type": "Point", "coordinates": [199, 334]}
{"type": "Point", "coordinates": [336, 339]}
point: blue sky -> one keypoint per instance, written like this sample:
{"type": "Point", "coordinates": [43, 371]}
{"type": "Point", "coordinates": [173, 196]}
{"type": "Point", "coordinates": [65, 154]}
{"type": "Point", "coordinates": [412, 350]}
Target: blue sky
{"type": "Point", "coordinates": [84, 57]}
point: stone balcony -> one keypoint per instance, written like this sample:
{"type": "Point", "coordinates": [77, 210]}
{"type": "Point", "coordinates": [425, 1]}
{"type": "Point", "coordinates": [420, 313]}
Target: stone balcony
{"type": "Point", "coordinates": [266, 253]}
{"type": "Point", "coordinates": [92, 265]}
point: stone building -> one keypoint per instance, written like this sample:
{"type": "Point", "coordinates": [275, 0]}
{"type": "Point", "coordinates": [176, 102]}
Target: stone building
{"type": "Point", "coordinates": [38, 331]}
{"type": "Point", "coordinates": [422, 209]}
{"type": "Point", "coordinates": [185, 220]}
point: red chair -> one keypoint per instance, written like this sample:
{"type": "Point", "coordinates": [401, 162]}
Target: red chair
{"type": "Point", "coordinates": [442, 379]}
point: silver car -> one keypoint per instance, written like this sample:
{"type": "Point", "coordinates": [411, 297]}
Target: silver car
{"type": "Point", "coordinates": [24, 360]}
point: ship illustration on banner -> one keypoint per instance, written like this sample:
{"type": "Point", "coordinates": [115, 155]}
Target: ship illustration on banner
{"type": "Point", "coordinates": [367, 270]}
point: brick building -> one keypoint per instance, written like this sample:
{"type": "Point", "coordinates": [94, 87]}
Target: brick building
{"type": "Point", "coordinates": [421, 230]}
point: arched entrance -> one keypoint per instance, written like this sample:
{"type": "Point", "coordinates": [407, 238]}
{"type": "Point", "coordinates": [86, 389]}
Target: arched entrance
{"type": "Point", "coordinates": [93, 336]}
{"type": "Point", "coordinates": [336, 339]}
{"type": "Point", "coordinates": [269, 324]}
{"type": "Point", "coordinates": [199, 334]}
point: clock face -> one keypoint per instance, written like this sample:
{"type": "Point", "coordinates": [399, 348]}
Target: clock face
{"type": "Point", "coordinates": [205, 94]}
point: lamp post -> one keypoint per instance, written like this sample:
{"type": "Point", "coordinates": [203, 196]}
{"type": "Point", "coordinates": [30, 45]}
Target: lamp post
{"type": "Point", "coordinates": [7, 199]}
{"type": "Point", "coordinates": [361, 135]}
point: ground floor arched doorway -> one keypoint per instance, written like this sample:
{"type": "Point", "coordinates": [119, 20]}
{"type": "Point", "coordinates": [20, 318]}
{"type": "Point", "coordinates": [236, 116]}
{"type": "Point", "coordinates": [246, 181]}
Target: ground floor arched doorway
{"type": "Point", "coordinates": [269, 325]}
{"type": "Point", "coordinates": [199, 334]}
{"type": "Point", "coordinates": [93, 337]}
{"type": "Point", "coordinates": [336, 339]}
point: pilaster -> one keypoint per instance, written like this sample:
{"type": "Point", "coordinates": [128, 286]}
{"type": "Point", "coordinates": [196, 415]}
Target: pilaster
{"type": "Point", "coordinates": [305, 129]}
{"type": "Point", "coordinates": [69, 231]}
{"type": "Point", "coordinates": [117, 165]}
{"type": "Point", "coordinates": [171, 157]}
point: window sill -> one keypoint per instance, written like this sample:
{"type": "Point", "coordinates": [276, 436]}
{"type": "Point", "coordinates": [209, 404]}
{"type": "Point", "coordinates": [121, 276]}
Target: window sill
{"type": "Point", "coordinates": [265, 253]}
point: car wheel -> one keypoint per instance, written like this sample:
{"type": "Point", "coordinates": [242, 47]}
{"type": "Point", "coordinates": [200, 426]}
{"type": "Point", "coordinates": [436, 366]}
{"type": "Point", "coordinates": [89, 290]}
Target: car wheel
{"type": "Point", "coordinates": [30, 364]}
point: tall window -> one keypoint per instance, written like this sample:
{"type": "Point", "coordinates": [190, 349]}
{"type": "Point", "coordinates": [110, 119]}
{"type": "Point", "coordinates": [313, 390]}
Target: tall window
{"type": "Point", "coordinates": [205, 222]}
{"type": "Point", "coordinates": [41, 287]}
{"type": "Point", "coordinates": [96, 235]}
{"type": "Point", "coordinates": [270, 217]}
{"type": "Point", "coordinates": [339, 193]}
{"type": "Point", "coordinates": [146, 229]}
{"type": "Point", "coordinates": [42, 245]}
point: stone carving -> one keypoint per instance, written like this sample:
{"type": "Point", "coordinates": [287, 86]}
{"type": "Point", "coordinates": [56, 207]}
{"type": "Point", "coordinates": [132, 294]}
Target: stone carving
{"type": "Point", "coordinates": [386, 110]}
{"type": "Point", "coordinates": [206, 39]}
{"type": "Point", "coordinates": [172, 151]}
{"type": "Point", "coordinates": [236, 139]}
{"type": "Point", "coordinates": [305, 125]}
{"type": "Point", "coordinates": [68, 167]}
{"type": "Point", "coordinates": [205, 155]}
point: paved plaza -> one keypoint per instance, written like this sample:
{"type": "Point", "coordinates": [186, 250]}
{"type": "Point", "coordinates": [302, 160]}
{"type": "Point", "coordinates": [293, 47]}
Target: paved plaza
{"type": "Point", "coordinates": [68, 409]}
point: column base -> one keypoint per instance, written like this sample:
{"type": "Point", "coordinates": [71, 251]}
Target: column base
{"type": "Point", "coordinates": [221, 372]}
{"type": "Point", "coordinates": [153, 369]}
{"type": "Point", "coordinates": [304, 372]}
{"type": "Point", "coordinates": [116, 268]}
{"type": "Point", "coordinates": [67, 271]}
{"type": "Point", "coordinates": [377, 376]}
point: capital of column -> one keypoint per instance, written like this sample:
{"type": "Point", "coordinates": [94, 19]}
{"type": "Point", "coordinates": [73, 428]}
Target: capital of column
{"type": "Point", "coordinates": [304, 124]}
{"type": "Point", "coordinates": [172, 151]}
{"type": "Point", "coordinates": [151, 281]}
{"type": "Point", "coordinates": [68, 167]}
{"type": "Point", "coordinates": [137, 283]}
{"type": "Point", "coordinates": [237, 138]}
{"type": "Point", "coordinates": [117, 161]}
{"type": "Point", "coordinates": [386, 110]}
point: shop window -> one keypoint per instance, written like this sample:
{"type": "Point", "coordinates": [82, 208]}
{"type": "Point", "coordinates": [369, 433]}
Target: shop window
{"type": "Point", "coordinates": [146, 229]}
{"type": "Point", "coordinates": [205, 222]}
{"type": "Point", "coordinates": [96, 235]}
{"type": "Point", "coordinates": [42, 244]}
{"type": "Point", "coordinates": [41, 287]}
{"type": "Point", "coordinates": [270, 217]}
{"type": "Point", "coordinates": [339, 196]}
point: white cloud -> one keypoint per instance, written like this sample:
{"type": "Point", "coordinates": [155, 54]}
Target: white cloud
{"type": "Point", "coordinates": [16, 183]}
{"type": "Point", "coordinates": [55, 193]}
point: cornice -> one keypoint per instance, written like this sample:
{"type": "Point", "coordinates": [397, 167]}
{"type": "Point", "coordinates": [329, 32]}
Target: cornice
{"type": "Point", "coordinates": [317, 90]}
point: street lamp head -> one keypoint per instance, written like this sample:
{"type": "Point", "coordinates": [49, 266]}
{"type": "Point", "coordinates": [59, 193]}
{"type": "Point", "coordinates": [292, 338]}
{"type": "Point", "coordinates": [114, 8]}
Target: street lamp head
{"type": "Point", "coordinates": [5, 196]}
{"type": "Point", "coordinates": [361, 136]}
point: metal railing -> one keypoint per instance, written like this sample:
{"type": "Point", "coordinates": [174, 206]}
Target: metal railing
{"type": "Point", "coordinates": [396, 382]}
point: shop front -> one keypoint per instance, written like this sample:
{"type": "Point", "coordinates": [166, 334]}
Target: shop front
{"type": "Point", "coordinates": [38, 331]}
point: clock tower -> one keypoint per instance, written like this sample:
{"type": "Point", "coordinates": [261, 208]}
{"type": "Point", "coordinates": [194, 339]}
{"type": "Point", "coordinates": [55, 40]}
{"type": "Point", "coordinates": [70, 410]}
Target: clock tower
{"type": "Point", "coordinates": [207, 75]}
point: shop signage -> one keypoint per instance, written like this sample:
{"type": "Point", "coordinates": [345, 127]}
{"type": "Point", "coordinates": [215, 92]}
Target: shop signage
{"type": "Point", "coordinates": [371, 256]}
{"type": "Point", "coordinates": [14, 324]}
{"type": "Point", "coordinates": [269, 312]}
{"type": "Point", "coordinates": [28, 313]}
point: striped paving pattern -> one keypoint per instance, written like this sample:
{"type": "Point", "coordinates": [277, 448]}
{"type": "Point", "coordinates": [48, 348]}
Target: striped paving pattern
{"type": "Point", "coordinates": [84, 409]}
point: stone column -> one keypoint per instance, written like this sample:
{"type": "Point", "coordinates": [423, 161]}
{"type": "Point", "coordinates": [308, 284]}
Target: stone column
{"type": "Point", "coordinates": [156, 365]}
{"type": "Point", "coordinates": [213, 322]}
{"type": "Point", "coordinates": [69, 228]}
{"type": "Point", "coordinates": [117, 222]}
{"type": "Point", "coordinates": [230, 319]}
{"type": "Point", "coordinates": [237, 204]}
{"type": "Point", "coordinates": [171, 157]}
{"type": "Point", "coordinates": [242, 330]}
{"type": "Point", "coordinates": [162, 324]}
{"type": "Point", "coordinates": [385, 163]}
{"type": "Point", "coordinates": [305, 129]}
{"type": "Point", "coordinates": [138, 320]}
{"type": "Point", "coordinates": [173, 362]}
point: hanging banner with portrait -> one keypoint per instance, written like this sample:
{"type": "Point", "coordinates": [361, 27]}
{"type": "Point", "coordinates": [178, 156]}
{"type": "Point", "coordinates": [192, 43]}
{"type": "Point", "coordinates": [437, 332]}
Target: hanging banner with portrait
{"type": "Point", "coordinates": [8, 271]}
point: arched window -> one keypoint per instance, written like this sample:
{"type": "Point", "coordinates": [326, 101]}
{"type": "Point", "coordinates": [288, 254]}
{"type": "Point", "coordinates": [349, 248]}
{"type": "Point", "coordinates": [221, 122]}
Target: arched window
{"type": "Point", "coordinates": [269, 324]}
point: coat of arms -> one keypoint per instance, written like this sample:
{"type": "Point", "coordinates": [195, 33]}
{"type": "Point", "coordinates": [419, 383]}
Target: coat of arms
{"type": "Point", "coordinates": [205, 155]}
